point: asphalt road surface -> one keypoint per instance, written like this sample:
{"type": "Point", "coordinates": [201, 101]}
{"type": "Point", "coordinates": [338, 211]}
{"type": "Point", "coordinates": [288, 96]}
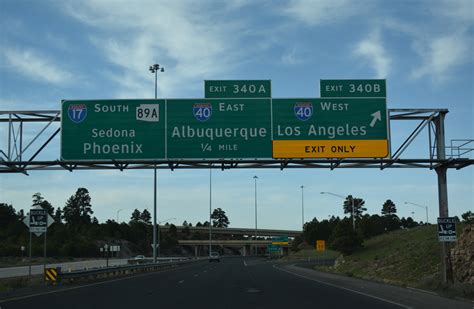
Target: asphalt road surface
{"type": "Point", "coordinates": [232, 283]}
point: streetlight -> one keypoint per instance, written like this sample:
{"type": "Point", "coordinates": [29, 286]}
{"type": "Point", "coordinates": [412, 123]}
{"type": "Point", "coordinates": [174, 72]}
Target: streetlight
{"type": "Point", "coordinates": [422, 206]}
{"type": "Point", "coordinates": [343, 197]}
{"type": "Point", "coordinates": [154, 70]}
{"type": "Point", "coordinates": [255, 178]}
{"type": "Point", "coordinates": [302, 207]}
{"type": "Point", "coordinates": [118, 211]}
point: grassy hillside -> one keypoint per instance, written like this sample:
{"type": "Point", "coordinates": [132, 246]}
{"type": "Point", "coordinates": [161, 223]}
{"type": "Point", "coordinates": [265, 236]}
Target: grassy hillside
{"type": "Point", "coordinates": [404, 257]}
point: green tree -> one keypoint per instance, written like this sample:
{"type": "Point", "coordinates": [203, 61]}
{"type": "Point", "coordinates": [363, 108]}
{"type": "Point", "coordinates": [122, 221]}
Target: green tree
{"type": "Point", "coordinates": [21, 214]}
{"type": "Point", "coordinates": [145, 217]}
{"type": "Point", "coordinates": [78, 208]}
{"type": "Point", "coordinates": [219, 218]}
{"type": "Point", "coordinates": [7, 214]}
{"type": "Point", "coordinates": [389, 208]}
{"type": "Point", "coordinates": [58, 215]}
{"type": "Point", "coordinates": [468, 217]}
{"type": "Point", "coordinates": [39, 201]}
{"type": "Point", "coordinates": [135, 216]}
{"type": "Point", "coordinates": [358, 206]}
{"type": "Point", "coordinates": [345, 239]}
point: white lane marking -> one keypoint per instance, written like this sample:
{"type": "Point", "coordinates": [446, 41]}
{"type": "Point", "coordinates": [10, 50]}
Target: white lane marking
{"type": "Point", "coordinates": [245, 263]}
{"type": "Point", "coordinates": [196, 275]}
{"type": "Point", "coordinates": [342, 288]}
{"type": "Point", "coordinates": [88, 285]}
{"type": "Point", "coordinates": [422, 291]}
{"type": "Point", "coordinates": [181, 281]}
{"type": "Point", "coordinates": [205, 271]}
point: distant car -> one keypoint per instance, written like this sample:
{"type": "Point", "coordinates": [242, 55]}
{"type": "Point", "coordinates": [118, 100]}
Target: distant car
{"type": "Point", "coordinates": [214, 257]}
{"type": "Point", "coordinates": [139, 257]}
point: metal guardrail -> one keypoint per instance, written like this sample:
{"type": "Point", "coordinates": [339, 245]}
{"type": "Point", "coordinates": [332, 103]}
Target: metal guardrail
{"type": "Point", "coordinates": [121, 270]}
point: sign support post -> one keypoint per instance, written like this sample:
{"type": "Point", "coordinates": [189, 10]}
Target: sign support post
{"type": "Point", "coordinates": [29, 260]}
{"type": "Point", "coordinates": [441, 171]}
{"type": "Point", "coordinates": [44, 254]}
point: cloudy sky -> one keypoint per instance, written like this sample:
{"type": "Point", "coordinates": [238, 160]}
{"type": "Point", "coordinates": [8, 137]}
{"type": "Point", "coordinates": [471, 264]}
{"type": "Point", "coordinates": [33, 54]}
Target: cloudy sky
{"type": "Point", "coordinates": [101, 49]}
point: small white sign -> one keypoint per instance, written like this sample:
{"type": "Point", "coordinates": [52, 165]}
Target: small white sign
{"type": "Point", "coordinates": [447, 229]}
{"type": "Point", "coordinates": [148, 112]}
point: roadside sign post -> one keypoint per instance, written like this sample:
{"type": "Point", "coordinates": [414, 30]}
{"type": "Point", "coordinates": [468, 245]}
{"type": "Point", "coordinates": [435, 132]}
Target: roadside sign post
{"type": "Point", "coordinates": [29, 258]}
{"type": "Point", "coordinates": [106, 249]}
{"type": "Point", "coordinates": [37, 220]}
{"type": "Point", "coordinates": [447, 229]}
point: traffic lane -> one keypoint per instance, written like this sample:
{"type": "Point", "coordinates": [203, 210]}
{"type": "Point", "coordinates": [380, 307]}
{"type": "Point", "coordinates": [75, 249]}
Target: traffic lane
{"type": "Point", "coordinates": [284, 289]}
{"type": "Point", "coordinates": [410, 297]}
{"type": "Point", "coordinates": [135, 291]}
{"type": "Point", "coordinates": [254, 283]}
{"type": "Point", "coordinates": [232, 283]}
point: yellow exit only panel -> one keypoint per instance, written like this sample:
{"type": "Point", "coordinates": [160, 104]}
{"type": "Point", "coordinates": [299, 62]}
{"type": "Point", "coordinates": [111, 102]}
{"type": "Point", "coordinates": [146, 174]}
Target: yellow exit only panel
{"type": "Point", "coordinates": [283, 149]}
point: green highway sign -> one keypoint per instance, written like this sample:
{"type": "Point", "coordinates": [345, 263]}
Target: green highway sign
{"type": "Point", "coordinates": [273, 249]}
{"type": "Point", "coordinates": [113, 129]}
{"type": "Point", "coordinates": [280, 240]}
{"type": "Point", "coordinates": [238, 120]}
{"type": "Point", "coordinates": [219, 128]}
{"type": "Point", "coordinates": [353, 88]}
{"type": "Point", "coordinates": [237, 89]}
{"type": "Point", "coordinates": [330, 128]}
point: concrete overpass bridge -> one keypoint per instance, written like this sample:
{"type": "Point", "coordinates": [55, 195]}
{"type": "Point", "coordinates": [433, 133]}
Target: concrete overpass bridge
{"type": "Point", "coordinates": [237, 231]}
{"type": "Point", "coordinates": [245, 247]}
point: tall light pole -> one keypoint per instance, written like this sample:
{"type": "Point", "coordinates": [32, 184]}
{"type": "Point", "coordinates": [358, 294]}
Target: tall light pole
{"type": "Point", "coordinates": [255, 179]}
{"type": "Point", "coordinates": [154, 69]}
{"type": "Point", "coordinates": [210, 209]}
{"type": "Point", "coordinates": [118, 211]}
{"type": "Point", "coordinates": [422, 206]}
{"type": "Point", "coordinates": [343, 197]}
{"type": "Point", "coordinates": [302, 207]}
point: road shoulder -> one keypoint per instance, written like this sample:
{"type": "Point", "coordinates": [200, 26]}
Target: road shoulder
{"type": "Point", "coordinates": [408, 298]}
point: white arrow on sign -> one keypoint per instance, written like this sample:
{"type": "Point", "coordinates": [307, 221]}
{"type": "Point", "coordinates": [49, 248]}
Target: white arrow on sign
{"type": "Point", "coordinates": [377, 116]}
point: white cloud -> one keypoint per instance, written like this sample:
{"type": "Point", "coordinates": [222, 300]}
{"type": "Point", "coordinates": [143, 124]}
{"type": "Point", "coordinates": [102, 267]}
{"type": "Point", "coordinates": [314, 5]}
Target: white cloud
{"type": "Point", "coordinates": [291, 57]}
{"type": "Point", "coordinates": [35, 66]}
{"type": "Point", "coordinates": [181, 37]}
{"type": "Point", "coordinates": [442, 42]}
{"type": "Point", "coordinates": [373, 52]}
{"type": "Point", "coordinates": [462, 11]}
{"type": "Point", "coordinates": [319, 12]}
{"type": "Point", "coordinates": [441, 55]}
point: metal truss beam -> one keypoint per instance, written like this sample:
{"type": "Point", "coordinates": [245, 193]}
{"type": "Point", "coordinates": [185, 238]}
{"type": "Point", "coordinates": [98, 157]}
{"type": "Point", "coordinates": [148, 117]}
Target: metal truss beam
{"type": "Point", "coordinates": [12, 161]}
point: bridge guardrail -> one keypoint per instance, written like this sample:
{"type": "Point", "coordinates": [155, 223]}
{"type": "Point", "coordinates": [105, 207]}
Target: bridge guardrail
{"type": "Point", "coordinates": [121, 270]}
